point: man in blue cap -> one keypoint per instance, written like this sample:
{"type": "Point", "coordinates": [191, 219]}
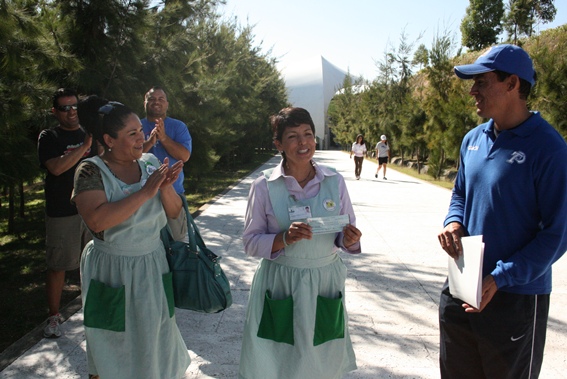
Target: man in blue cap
{"type": "Point", "coordinates": [511, 189]}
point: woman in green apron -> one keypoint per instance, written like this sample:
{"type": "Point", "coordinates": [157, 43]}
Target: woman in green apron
{"type": "Point", "coordinates": [125, 197]}
{"type": "Point", "coordinates": [299, 216]}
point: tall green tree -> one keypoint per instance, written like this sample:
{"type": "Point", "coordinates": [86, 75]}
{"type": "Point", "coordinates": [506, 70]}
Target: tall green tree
{"type": "Point", "coordinates": [387, 96]}
{"type": "Point", "coordinates": [523, 14]}
{"type": "Point", "coordinates": [108, 38]}
{"type": "Point", "coordinates": [27, 53]}
{"type": "Point", "coordinates": [549, 96]}
{"type": "Point", "coordinates": [421, 56]}
{"type": "Point", "coordinates": [346, 114]}
{"type": "Point", "coordinates": [482, 23]}
{"type": "Point", "coordinates": [437, 102]}
{"type": "Point", "coordinates": [237, 87]}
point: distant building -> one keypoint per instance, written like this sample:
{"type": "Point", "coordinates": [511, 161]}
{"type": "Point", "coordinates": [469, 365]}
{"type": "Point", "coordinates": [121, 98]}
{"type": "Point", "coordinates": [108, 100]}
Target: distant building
{"type": "Point", "coordinates": [311, 84]}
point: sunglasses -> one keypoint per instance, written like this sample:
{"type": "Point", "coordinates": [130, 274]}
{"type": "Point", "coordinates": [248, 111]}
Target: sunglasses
{"type": "Point", "coordinates": [109, 107]}
{"type": "Point", "coordinates": [66, 108]}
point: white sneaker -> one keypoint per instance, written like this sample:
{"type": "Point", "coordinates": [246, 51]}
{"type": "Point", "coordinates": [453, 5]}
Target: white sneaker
{"type": "Point", "coordinates": [52, 330]}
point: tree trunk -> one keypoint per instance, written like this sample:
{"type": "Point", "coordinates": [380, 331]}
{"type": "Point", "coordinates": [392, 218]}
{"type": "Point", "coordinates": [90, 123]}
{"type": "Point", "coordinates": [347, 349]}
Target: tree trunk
{"type": "Point", "coordinates": [10, 209]}
{"type": "Point", "coordinates": [22, 199]}
{"type": "Point", "coordinates": [418, 162]}
{"type": "Point", "coordinates": [441, 164]}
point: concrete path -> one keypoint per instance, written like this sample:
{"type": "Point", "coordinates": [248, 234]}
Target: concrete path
{"type": "Point", "coordinates": [392, 288]}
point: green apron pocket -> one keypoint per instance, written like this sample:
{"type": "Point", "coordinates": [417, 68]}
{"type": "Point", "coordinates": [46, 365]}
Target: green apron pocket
{"type": "Point", "coordinates": [167, 280]}
{"type": "Point", "coordinates": [105, 307]}
{"type": "Point", "coordinates": [329, 320]}
{"type": "Point", "coordinates": [277, 320]}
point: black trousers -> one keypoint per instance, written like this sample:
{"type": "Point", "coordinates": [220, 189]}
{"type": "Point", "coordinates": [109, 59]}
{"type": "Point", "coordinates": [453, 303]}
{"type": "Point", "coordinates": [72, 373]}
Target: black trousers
{"type": "Point", "coordinates": [505, 341]}
{"type": "Point", "coordinates": [358, 165]}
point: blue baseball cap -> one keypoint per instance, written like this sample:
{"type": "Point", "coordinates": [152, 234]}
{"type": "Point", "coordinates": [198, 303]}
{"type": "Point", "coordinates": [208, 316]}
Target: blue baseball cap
{"type": "Point", "coordinates": [507, 58]}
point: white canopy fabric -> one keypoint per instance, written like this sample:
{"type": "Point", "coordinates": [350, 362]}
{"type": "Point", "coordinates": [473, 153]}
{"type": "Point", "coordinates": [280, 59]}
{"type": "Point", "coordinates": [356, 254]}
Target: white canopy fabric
{"type": "Point", "coordinates": [311, 84]}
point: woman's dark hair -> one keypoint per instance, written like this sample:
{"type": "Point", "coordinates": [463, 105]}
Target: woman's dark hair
{"type": "Point", "coordinates": [99, 116]}
{"type": "Point", "coordinates": [291, 116]}
{"type": "Point", "coordinates": [359, 136]}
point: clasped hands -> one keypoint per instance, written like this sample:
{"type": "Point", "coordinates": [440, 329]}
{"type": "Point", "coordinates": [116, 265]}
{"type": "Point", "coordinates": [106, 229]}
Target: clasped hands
{"type": "Point", "coordinates": [163, 176]}
{"type": "Point", "coordinates": [158, 132]}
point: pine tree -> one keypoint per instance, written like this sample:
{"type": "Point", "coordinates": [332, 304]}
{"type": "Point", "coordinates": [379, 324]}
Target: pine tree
{"type": "Point", "coordinates": [482, 23]}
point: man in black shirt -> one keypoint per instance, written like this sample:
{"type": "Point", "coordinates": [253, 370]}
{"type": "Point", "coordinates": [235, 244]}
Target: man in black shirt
{"type": "Point", "coordinates": [60, 149]}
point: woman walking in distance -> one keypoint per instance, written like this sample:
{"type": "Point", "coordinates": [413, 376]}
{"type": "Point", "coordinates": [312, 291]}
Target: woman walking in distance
{"type": "Point", "coordinates": [359, 151]}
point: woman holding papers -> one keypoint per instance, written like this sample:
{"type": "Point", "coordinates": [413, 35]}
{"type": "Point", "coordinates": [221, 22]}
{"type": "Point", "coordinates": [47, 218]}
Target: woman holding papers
{"type": "Point", "coordinates": [296, 323]}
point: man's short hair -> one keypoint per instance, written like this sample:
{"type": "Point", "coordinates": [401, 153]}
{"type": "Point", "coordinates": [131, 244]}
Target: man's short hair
{"type": "Point", "coordinates": [525, 86]}
{"type": "Point", "coordinates": [153, 89]}
{"type": "Point", "coordinates": [63, 92]}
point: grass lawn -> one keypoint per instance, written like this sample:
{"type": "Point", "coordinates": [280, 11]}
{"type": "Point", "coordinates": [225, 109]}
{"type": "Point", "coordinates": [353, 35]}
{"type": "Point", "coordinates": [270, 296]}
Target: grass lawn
{"type": "Point", "coordinates": [22, 270]}
{"type": "Point", "coordinates": [426, 178]}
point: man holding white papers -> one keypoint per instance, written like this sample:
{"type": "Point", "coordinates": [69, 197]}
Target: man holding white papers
{"type": "Point", "coordinates": [511, 189]}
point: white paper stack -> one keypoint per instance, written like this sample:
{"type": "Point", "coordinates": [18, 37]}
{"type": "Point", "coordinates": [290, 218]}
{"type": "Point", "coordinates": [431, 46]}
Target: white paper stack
{"type": "Point", "coordinates": [465, 273]}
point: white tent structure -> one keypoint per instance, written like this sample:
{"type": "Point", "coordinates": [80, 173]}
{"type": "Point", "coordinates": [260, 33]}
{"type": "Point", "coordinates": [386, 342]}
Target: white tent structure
{"type": "Point", "coordinates": [311, 84]}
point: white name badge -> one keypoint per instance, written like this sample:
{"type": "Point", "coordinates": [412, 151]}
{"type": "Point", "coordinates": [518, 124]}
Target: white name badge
{"type": "Point", "coordinates": [299, 212]}
{"type": "Point", "coordinates": [331, 224]}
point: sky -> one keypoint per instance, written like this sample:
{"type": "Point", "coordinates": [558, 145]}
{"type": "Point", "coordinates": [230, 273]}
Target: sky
{"type": "Point", "coordinates": [351, 34]}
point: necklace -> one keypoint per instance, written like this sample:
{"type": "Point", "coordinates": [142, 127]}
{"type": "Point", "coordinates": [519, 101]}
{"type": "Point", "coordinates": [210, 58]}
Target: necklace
{"type": "Point", "coordinates": [307, 177]}
{"type": "Point", "coordinates": [107, 161]}
{"type": "Point", "coordinates": [311, 170]}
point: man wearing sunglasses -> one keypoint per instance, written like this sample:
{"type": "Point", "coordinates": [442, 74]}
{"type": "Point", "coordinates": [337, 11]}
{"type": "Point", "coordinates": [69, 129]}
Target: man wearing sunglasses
{"type": "Point", "coordinates": [60, 149]}
{"type": "Point", "coordinates": [165, 136]}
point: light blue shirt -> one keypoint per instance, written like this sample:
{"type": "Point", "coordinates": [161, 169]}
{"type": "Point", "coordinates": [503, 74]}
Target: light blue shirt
{"type": "Point", "coordinates": [177, 131]}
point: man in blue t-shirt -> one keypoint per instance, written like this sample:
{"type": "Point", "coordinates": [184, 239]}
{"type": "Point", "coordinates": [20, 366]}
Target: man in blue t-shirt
{"type": "Point", "coordinates": [510, 188]}
{"type": "Point", "coordinates": [165, 136]}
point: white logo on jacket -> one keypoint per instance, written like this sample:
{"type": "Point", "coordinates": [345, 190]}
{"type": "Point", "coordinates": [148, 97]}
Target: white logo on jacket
{"type": "Point", "coordinates": [518, 157]}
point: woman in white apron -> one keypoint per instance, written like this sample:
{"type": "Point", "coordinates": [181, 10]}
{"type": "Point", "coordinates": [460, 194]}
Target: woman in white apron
{"type": "Point", "coordinates": [124, 197]}
{"type": "Point", "coordinates": [296, 323]}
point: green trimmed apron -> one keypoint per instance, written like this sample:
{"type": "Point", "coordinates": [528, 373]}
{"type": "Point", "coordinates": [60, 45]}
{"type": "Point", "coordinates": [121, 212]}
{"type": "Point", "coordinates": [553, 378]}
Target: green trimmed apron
{"type": "Point", "coordinates": [296, 324]}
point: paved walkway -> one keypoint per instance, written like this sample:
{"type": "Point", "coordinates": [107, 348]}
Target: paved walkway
{"type": "Point", "coordinates": [392, 288]}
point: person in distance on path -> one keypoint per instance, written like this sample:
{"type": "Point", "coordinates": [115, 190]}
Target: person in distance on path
{"type": "Point", "coordinates": [359, 151]}
{"type": "Point", "coordinates": [382, 155]}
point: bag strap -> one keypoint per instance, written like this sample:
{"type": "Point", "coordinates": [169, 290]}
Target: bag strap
{"type": "Point", "coordinates": [167, 235]}
{"type": "Point", "coordinates": [195, 239]}
{"type": "Point", "coordinates": [190, 222]}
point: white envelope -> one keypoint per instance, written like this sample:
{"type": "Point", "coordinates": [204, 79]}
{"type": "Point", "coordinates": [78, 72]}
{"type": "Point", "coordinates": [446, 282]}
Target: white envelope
{"type": "Point", "coordinates": [329, 224]}
{"type": "Point", "coordinates": [465, 273]}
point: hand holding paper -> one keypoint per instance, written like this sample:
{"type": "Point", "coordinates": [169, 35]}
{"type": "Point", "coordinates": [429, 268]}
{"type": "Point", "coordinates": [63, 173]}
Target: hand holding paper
{"type": "Point", "coordinates": [331, 224]}
{"type": "Point", "coordinates": [465, 273]}
{"type": "Point", "coordinates": [489, 289]}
